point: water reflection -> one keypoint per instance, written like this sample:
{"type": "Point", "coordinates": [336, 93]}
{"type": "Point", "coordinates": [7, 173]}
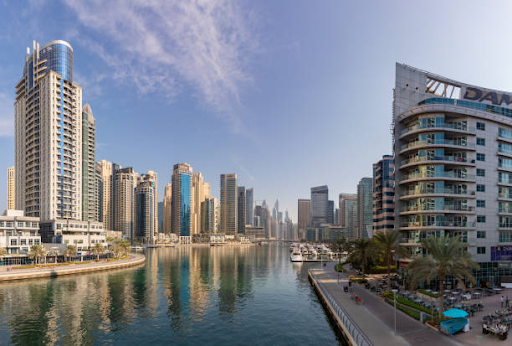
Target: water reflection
{"type": "Point", "coordinates": [241, 295]}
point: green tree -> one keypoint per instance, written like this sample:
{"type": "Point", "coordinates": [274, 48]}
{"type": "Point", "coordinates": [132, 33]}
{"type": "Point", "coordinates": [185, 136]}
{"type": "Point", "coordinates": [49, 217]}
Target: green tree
{"type": "Point", "coordinates": [445, 257]}
{"type": "Point", "coordinates": [388, 246]}
{"type": "Point", "coordinates": [3, 251]}
{"type": "Point", "coordinates": [36, 252]}
{"type": "Point", "coordinates": [98, 249]}
{"type": "Point", "coordinates": [362, 251]}
{"type": "Point", "coordinates": [339, 245]}
{"type": "Point", "coordinates": [70, 251]}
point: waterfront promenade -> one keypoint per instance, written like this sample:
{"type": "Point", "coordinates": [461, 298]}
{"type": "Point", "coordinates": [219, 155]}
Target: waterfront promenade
{"type": "Point", "coordinates": [375, 317]}
{"type": "Point", "coordinates": [54, 271]}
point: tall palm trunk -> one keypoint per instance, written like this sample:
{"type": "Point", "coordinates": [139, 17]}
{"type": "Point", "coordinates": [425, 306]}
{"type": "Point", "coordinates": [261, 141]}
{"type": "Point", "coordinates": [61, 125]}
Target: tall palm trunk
{"type": "Point", "coordinates": [441, 296]}
{"type": "Point", "coordinates": [389, 277]}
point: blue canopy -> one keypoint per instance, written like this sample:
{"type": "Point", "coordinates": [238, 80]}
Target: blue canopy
{"type": "Point", "coordinates": [455, 313]}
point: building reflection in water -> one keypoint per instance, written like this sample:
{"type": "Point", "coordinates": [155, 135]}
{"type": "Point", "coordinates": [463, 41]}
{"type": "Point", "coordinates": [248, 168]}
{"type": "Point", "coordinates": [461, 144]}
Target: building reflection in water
{"type": "Point", "coordinates": [186, 283]}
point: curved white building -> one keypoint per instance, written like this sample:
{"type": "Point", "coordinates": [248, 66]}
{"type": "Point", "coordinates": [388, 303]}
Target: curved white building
{"type": "Point", "coordinates": [453, 166]}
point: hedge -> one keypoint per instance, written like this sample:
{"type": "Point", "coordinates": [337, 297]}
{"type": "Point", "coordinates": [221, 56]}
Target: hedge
{"type": "Point", "coordinates": [430, 294]}
{"type": "Point", "coordinates": [361, 281]}
{"type": "Point", "coordinates": [389, 295]}
{"type": "Point", "coordinates": [339, 267]}
{"type": "Point", "coordinates": [382, 270]}
{"type": "Point", "coordinates": [411, 312]}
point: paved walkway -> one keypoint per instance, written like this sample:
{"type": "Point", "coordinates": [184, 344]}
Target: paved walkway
{"type": "Point", "coordinates": [376, 317]}
{"type": "Point", "coordinates": [20, 274]}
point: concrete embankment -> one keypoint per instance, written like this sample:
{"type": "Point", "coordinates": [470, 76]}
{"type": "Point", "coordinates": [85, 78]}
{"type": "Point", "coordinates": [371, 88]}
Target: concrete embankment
{"type": "Point", "coordinates": [33, 273]}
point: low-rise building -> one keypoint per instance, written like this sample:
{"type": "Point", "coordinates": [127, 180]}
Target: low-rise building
{"type": "Point", "coordinates": [18, 232]}
{"type": "Point", "coordinates": [83, 234]}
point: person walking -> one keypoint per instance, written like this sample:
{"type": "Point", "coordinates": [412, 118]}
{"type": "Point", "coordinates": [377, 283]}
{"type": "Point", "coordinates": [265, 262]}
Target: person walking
{"type": "Point", "coordinates": [507, 301]}
{"type": "Point", "coordinates": [502, 302]}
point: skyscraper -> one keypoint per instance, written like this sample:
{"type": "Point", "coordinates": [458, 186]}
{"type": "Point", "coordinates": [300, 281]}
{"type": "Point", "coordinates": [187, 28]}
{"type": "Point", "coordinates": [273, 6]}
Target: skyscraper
{"type": "Point", "coordinates": [10, 188]}
{"type": "Point", "coordinates": [209, 215]}
{"type": "Point", "coordinates": [197, 196]}
{"type": "Point", "coordinates": [181, 201]}
{"type": "Point", "coordinates": [330, 212]}
{"type": "Point", "coordinates": [167, 217]}
{"type": "Point", "coordinates": [319, 205]}
{"type": "Point", "coordinates": [89, 179]}
{"type": "Point", "coordinates": [303, 217]}
{"type": "Point", "coordinates": [249, 206]}
{"type": "Point", "coordinates": [160, 217]}
{"type": "Point", "coordinates": [144, 206]}
{"type": "Point", "coordinates": [343, 220]}
{"type": "Point", "coordinates": [105, 172]}
{"type": "Point", "coordinates": [123, 195]}
{"type": "Point", "coordinates": [365, 207]}
{"type": "Point", "coordinates": [384, 194]}
{"type": "Point", "coordinates": [228, 203]}
{"type": "Point", "coordinates": [242, 203]}
{"type": "Point", "coordinates": [48, 135]}
{"type": "Point", "coordinates": [152, 208]}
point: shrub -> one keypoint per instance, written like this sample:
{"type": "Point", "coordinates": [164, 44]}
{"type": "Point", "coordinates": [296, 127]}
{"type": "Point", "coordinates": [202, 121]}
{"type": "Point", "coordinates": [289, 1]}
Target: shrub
{"type": "Point", "coordinates": [358, 280]}
{"type": "Point", "coordinates": [339, 267]}
{"type": "Point", "coordinates": [389, 295]}
{"type": "Point", "coordinates": [411, 312]}
{"type": "Point", "coordinates": [429, 294]}
{"type": "Point", "coordinates": [382, 270]}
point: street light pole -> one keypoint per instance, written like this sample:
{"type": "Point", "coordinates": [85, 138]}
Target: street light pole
{"type": "Point", "coordinates": [395, 291]}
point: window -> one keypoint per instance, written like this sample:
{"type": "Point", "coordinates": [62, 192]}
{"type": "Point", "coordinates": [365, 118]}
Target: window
{"type": "Point", "coordinates": [480, 234]}
{"type": "Point", "coordinates": [14, 242]}
{"type": "Point", "coordinates": [480, 172]}
{"type": "Point", "coordinates": [480, 141]}
{"type": "Point", "coordinates": [480, 187]}
{"type": "Point", "coordinates": [480, 157]}
{"type": "Point", "coordinates": [480, 250]}
{"type": "Point", "coordinates": [480, 203]}
{"type": "Point", "coordinates": [480, 218]}
{"type": "Point", "coordinates": [480, 126]}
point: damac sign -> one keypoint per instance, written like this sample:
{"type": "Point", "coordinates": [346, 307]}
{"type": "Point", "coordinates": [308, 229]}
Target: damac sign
{"type": "Point", "coordinates": [475, 94]}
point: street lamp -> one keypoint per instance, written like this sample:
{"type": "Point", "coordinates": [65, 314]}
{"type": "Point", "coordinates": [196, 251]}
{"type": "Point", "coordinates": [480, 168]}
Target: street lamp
{"type": "Point", "coordinates": [395, 291]}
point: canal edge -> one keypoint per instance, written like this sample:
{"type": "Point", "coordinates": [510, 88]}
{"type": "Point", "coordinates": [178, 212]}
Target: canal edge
{"type": "Point", "coordinates": [56, 272]}
{"type": "Point", "coordinates": [354, 336]}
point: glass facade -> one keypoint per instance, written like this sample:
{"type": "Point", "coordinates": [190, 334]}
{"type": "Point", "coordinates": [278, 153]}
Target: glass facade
{"type": "Point", "coordinates": [59, 58]}
{"type": "Point", "coordinates": [185, 204]}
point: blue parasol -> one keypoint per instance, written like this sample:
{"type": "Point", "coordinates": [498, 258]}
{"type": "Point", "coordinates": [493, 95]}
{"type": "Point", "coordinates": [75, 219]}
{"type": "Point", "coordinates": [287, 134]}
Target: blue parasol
{"type": "Point", "coordinates": [455, 313]}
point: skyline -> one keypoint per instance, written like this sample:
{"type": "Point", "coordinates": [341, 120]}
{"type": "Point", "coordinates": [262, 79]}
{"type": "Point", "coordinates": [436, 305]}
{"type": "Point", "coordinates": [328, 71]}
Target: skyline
{"type": "Point", "coordinates": [270, 97]}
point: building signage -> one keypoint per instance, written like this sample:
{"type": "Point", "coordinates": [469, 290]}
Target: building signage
{"type": "Point", "coordinates": [475, 94]}
{"type": "Point", "coordinates": [501, 253]}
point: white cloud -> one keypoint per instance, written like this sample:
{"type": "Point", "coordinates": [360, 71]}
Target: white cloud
{"type": "Point", "coordinates": [168, 45]}
{"type": "Point", "coordinates": [6, 116]}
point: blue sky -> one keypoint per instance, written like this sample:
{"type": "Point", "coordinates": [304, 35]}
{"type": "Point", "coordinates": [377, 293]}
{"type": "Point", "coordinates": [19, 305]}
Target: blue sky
{"type": "Point", "coordinates": [288, 94]}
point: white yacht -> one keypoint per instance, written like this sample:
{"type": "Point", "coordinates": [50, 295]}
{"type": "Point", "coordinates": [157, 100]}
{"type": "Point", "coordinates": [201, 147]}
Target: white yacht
{"type": "Point", "coordinates": [296, 256]}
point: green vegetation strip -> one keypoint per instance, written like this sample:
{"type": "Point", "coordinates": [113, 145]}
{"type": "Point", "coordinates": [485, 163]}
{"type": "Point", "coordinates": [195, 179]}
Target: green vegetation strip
{"type": "Point", "coordinates": [359, 280]}
{"type": "Point", "coordinates": [411, 312]}
{"type": "Point", "coordinates": [428, 294]}
{"type": "Point", "coordinates": [389, 295]}
{"type": "Point", "coordinates": [382, 270]}
{"type": "Point", "coordinates": [339, 267]}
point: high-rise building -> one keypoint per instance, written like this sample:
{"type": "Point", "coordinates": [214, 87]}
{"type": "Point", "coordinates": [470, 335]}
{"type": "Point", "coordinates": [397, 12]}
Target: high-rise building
{"type": "Point", "coordinates": [337, 216]}
{"type": "Point", "coordinates": [145, 208]}
{"type": "Point", "coordinates": [319, 205]}
{"type": "Point", "coordinates": [453, 166]}
{"type": "Point", "coordinates": [349, 217]}
{"type": "Point", "coordinates": [167, 216]}
{"type": "Point", "coordinates": [10, 188]}
{"type": "Point", "coordinates": [48, 135]}
{"type": "Point", "coordinates": [151, 209]}
{"type": "Point", "coordinates": [99, 192]}
{"type": "Point", "coordinates": [123, 195]}
{"type": "Point", "coordinates": [365, 208]}
{"type": "Point", "coordinates": [303, 217]}
{"type": "Point", "coordinates": [343, 221]}
{"type": "Point", "coordinates": [228, 203]}
{"type": "Point", "coordinates": [384, 194]}
{"type": "Point", "coordinates": [242, 203]}
{"type": "Point", "coordinates": [181, 201]}
{"type": "Point", "coordinates": [105, 174]}
{"type": "Point", "coordinates": [89, 178]}
{"type": "Point", "coordinates": [197, 197]}
{"type": "Point", "coordinates": [249, 206]}
{"type": "Point", "coordinates": [160, 217]}
{"type": "Point", "coordinates": [330, 212]}
{"type": "Point", "coordinates": [209, 215]}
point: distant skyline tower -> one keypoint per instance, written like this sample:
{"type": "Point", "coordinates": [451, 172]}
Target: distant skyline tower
{"type": "Point", "coordinates": [10, 188]}
{"type": "Point", "coordinates": [384, 194]}
{"type": "Point", "coordinates": [303, 217]}
{"type": "Point", "coordinates": [242, 203]}
{"type": "Point", "coordinates": [105, 174]}
{"type": "Point", "coordinates": [209, 215]}
{"type": "Point", "coordinates": [144, 206]}
{"type": "Point", "coordinates": [48, 135]}
{"type": "Point", "coordinates": [167, 217]}
{"type": "Point", "coordinates": [181, 201]}
{"type": "Point", "coordinates": [151, 208]}
{"type": "Point", "coordinates": [319, 205]}
{"type": "Point", "coordinates": [123, 195]}
{"type": "Point", "coordinates": [249, 206]}
{"type": "Point", "coordinates": [365, 207]}
{"type": "Point", "coordinates": [229, 203]}
{"type": "Point", "coordinates": [343, 220]}
{"type": "Point", "coordinates": [89, 180]}
{"type": "Point", "coordinates": [330, 213]}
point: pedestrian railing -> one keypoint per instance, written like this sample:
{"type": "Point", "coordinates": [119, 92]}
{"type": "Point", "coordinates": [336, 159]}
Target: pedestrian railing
{"type": "Point", "coordinates": [351, 327]}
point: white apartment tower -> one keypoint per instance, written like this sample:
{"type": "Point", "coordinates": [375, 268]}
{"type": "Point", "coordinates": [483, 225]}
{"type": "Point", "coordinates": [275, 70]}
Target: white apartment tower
{"type": "Point", "coordinates": [10, 188]}
{"type": "Point", "coordinates": [228, 203]}
{"type": "Point", "coordinates": [90, 198]}
{"type": "Point", "coordinates": [48, 135]}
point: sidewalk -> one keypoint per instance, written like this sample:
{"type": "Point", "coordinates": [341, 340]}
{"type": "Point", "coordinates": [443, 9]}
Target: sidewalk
{"type": "Point", "coordinates": [20, 274]}
{"type": "Point", "coordinates": [376, 317]}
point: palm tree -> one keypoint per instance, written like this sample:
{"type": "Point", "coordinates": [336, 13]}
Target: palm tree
{"type": "Point", "coordinates": [339, 246]}
{"type": "Point", "coordinates": [70, 251]}
{"type": "Point", "coordinates": [446, 256]}
{"type": "Point", "coordinates": [3, 251]}
{"type": "Point", "coordinates": [98, 249]}
{"type": "Point", "coordinates": [388, 246]}
{"type": "Point", "coordinates": [36, 252]}
{"type": "Point", "coordinates": [362, 251]}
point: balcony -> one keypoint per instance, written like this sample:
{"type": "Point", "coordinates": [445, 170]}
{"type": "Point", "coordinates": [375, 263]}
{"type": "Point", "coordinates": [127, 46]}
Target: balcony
{"type": "Point", "coordinates": [437, 143]}
{"type": "Point", "coordinates": [438, 224]}
{"type": "Point", "coordinates": [456, 127]}
{"type": "Point", "coordinates": [446, 159]}
{"type": "Point", "coordinates": [438, 176]}
{"type": "Point", "coordinates": [446, 208]}
{"type": "Point", "coordinates": [437, 191]}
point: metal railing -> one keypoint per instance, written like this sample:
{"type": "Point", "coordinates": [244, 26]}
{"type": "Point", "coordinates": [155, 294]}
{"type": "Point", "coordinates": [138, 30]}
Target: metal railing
{"type": "Point", "coordinates": [352, 328]}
